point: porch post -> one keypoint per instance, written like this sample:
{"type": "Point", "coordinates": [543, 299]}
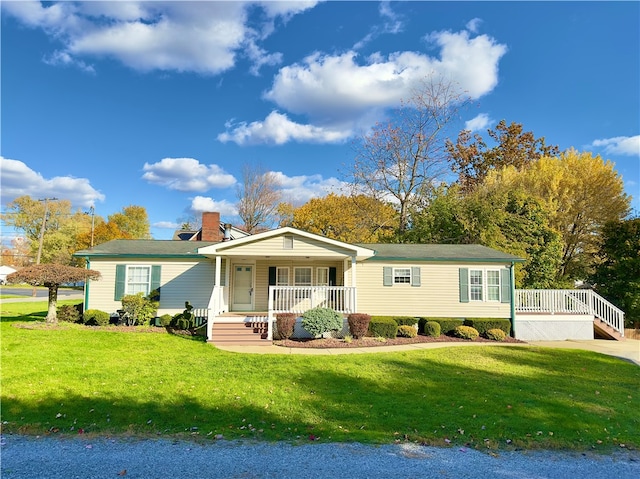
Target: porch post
{"type": "Point", "coordinates": [353, 284]}
{"type": "Point", "coordinates": [214, 300]}
{"type": "Point", "coordinates": [513, 299]}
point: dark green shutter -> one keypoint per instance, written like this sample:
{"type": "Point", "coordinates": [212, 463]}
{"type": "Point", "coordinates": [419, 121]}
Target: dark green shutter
{"type": "Point", "coordinates": [121, 276]}
{"type": "Point", "coordinates": [333, 274]}
{"type": "Point", "coordinates": [415, 276]}
{"type": "Point", "coordinates": [155, 280]}
{"type": "Point", "coordinates": [387, 276]}
{"type": "Point", "coordinates": [272, 275]}
{"type": "Point", "coordinates": [464, 285]}
{"type": "Point", "coordinates": [505, 285]}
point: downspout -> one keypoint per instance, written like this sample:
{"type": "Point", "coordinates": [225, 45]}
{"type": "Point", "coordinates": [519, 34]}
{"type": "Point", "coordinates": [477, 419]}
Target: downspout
{"type": "Point", "coordinates": [513, 299]}
{"type": "Point", "coordinates": [86, 287]}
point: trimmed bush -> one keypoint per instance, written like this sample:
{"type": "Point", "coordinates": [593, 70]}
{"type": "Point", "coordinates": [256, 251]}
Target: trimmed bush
{"type": "Point", "coordinates": [406, 331]}
{"type": "Point", "coordinates": [466, 332]}
{"type": "Point", "coordinates": [482, 325]}
{"type": "Point", "coordinates": [495, 334]}
{"type": "Point", "coordinates": [405, 320]}
{"type": "Point", "coordinates": [139, 309]}
{"type": "Point", "coordinates": [69, 313]}
{"type": "Point", "coordinates": [383, 327]}
{"type": "Point", "coordinates": [165, 320]}
{"type": "Point", "coordinates": [358, 324]}
{"type": "Point", "coordinates": [431, 328]}
{"type": "Point", "coordinates": [318, 321]}
{"type": "Point", "coordinates": [285, 323]}
{"type": "Point", "coordinates": [95, 317]}
{"type": "Point", "coordinates": [447, 325]}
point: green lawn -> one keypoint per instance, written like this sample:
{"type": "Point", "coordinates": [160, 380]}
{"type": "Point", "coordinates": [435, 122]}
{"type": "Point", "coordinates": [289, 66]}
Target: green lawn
{"type": "Point", "coordinates": [75, 378]}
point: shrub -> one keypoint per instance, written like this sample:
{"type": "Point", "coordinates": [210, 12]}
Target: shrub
{"type": "Point", "coordinates": [358, 324]}
{"type": "Point", "coordinates": [285, 323]}
{"type": "Point", "coordinates": [482, 325]}
{"type": "Point", "coordinates": [431, 328]}
{"type": "Point", "coordinates": [165, 320]}
{"type": "Point", "coordinates": [69, 313]}
{"type": "Point", "coordinates": [495, 334]}
{"type": "Point", "coordinates": [406, 331]}
{"type": "Point", "coordinates": [405, 320]}
{"type": "Point", "coordinates": [466, 332]}
{"type": "Point", "coordinates": [318, 321]}
{"type": "Point", "coordinates": [139, 309]}
{"type": "Point", "coordinates": [383, 327]}
{"type": "Point", "coordinates": [95, 317]}
{"type": "Point", "coordinates": [447, 325]}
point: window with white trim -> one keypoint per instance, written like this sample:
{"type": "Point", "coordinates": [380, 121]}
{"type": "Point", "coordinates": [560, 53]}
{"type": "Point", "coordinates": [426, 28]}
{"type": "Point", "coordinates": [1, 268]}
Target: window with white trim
{"type": "Point", "coordinates": [302, 276]}
{"type": "Point", "coordinates": [484, 285]}
{"type": "Point", "coordinates": [138, 280]}
{"type": "Point", "coordinates": [282, 276]}
{"type": "Point", "coordinates": [475, 285]}
{"type": "Point", "coordinates": [493, 285]}
{"type": "Point", "coordinates": [322, 276]}
{"type": "Point", "coordinates": [402, 275]}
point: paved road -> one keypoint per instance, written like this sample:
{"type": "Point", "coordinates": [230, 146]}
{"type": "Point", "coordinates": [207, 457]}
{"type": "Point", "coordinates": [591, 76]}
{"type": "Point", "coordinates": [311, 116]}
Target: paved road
{"type": "Point", "coordinates": [26, 294]}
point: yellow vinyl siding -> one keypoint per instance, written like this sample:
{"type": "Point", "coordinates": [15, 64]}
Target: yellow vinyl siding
{"type": "Point", "coordinates": [438, 295]}
{"type": "Point", "coordinates": [180, 281]}
{"type": "Point", "coordinates": [302, 247]}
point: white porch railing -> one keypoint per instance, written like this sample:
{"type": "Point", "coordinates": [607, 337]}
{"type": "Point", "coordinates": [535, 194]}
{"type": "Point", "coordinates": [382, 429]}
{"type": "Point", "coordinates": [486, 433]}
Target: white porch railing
{"type": "Point", "coordinates": [569, 301]}
{"type": "Point", "coordinates": [298, 299]}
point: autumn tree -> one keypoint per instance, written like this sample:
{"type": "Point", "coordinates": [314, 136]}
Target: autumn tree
{"type": "Point", "coordinates": [258, 198]}
{"type": "Point", "coordinates": [617, 271]}
{"type": "Point", "coordinates": [352, 219]}
{"type": "Point", "coordinates": [581, 193]}
{"type": "Point", "coordinates": [401, 161]}
{"type": "Point", "coordinates": [472, 159]}
{"type": "Point", "coordinates": [133, 221]}
{"type": "Point", "coordinates": [52, 276]}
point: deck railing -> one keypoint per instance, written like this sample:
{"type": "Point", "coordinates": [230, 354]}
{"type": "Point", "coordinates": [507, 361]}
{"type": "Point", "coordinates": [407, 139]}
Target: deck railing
{"type": "Point", "coordinates": [569, 301]}
{"type": "Point", "coordinates": [298, 299]}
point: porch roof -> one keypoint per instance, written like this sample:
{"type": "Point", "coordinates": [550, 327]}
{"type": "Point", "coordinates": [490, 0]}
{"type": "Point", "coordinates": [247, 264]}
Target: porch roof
{"type": "Point", "coordinates": [473, 253]}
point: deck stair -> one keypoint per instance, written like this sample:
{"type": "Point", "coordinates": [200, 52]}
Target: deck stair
{"type": "Point", "coordinates": [604, 331]}
{"type": "Point", "coordinates": [240, 331]}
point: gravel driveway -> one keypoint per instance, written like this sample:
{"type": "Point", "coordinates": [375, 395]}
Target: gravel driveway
{"type": "Point", "coordinates": [84, 458]}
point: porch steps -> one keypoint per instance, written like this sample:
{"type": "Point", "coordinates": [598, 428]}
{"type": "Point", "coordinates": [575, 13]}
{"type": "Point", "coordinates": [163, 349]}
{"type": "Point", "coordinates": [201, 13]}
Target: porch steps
{"type": "Point", "coordinates": [247, 333]}
{"type": "Point", "coordinates": [603, 330]}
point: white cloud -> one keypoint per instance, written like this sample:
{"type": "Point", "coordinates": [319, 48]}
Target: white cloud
{"type": "Point", "coordinates": [278, 129]}
{"type": "Point", "coordinates": [187, 174]}
{"type": "Point", "coordinates": [480, 122]}
{"type": "Point", "coordinates": [20, 180]}
{"type": "Point", "coordinates": [473, 25]}
{"type": "Point", "coordinates": [620, 145]}
{"type": "Point", "coordinates": [201, 204]}
{"type": "Point", "coordinates": [345, 94]}
{"type": "Point", "coordinates": [300, 189]}
{"type": "Point", "coordinates": [167, 225]}
{"type": "Point", "coordinates": [203, 37]}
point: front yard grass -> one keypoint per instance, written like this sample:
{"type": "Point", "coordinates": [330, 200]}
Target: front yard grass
{"type": "Point", "coordinates": [77, 380]}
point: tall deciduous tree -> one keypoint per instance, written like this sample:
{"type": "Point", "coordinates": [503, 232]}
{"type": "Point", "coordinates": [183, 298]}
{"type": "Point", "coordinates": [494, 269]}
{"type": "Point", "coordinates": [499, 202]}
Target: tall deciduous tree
{"type": "Point", "coordinates": [258, 198]}
{"type": "Point", "coordinates": [132, 221]}
{"type": "Point", "coordinates": [617, 273]}
{"type": "Point", "coordinates": [51, 276]}
{"type": "Point", "coordinates": [352, 219]}
{"type": "Point", "coordinates": [581, 192]}
{"type": "Point", "coordinates": [401, 161]}
{"type": "Point", "coordinates": [473, 159]}
{"type": "Point", "coordinates": [510, 221]}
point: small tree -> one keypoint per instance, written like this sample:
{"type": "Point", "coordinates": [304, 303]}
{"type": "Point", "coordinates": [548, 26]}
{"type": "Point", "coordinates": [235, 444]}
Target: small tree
{"type": "Point", "coordinates": [52, 275]}
{"type": "Point", "coordinates": [139, 309]}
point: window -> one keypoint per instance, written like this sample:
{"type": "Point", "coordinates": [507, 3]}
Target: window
{"type": "Point", "coordinates": [134, 279]}
{"type": "Point", "coordinates": [475, 284]}
{"type": "Point", "coordinates": [401, 275]}
{"type": "Point", "coordinates": [485, 285]}
{"type": "Point", "coordinates": [287, 242]}
{"type": "Point", "coordinates": [322, 276]}
{"type": "Point", "coordinates": [493, 285]}
{"type": "Point", "coordinates": [302, 276]}
{"type": "Point", "coordinates": [282, 276]}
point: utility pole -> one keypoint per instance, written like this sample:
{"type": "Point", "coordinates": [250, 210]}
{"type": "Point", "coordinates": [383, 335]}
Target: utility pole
{"type": "Point", "coordinates": [92, 212]}
{"type": "Point", "coordinates": [44, 223]}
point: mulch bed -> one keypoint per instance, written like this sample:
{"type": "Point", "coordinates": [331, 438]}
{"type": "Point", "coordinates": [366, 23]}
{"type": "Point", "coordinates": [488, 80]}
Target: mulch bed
{"type": "Point", "coordinates": [373, 342]}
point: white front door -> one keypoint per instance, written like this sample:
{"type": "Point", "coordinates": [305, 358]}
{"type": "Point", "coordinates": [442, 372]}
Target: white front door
{"type": "Point", "coordinates": [242, 288]}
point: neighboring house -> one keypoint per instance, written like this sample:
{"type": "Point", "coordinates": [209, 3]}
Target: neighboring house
{"type": "Point", "coordinates": [4, 272]}
{"type": "Point", "coordinates": [210, 221]}
{"type": "Point", "coordinates": [291, 270]}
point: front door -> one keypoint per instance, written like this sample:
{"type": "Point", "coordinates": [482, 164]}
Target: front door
{"type": "Point", "coordinates": [242, 288]}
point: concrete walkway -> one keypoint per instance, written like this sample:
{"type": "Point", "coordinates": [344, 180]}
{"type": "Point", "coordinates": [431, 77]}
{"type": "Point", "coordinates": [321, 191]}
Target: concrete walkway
{"type": "Point", "coordinates": [629, 349]}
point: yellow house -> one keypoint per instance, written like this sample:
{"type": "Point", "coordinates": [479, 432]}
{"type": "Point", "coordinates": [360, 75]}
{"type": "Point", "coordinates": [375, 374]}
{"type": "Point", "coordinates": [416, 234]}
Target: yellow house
{"type": "Point", "coordinates": [252, 278]}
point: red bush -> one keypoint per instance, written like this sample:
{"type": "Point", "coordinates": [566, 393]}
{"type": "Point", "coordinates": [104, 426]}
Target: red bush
{"type": "Point", "coordinates": [358, 324]}
{"type": "Point", "coordinates": [285, 322]}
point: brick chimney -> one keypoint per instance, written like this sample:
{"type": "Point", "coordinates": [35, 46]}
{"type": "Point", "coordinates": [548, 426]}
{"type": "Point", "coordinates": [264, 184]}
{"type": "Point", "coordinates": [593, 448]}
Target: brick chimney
{"type": "Point", "coordinates": [210, 227]}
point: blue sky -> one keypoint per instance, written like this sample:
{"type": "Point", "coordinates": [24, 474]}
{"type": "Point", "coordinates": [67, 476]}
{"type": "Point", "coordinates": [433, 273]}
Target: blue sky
{"type": "Point", "coordinates": [160, 104]}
